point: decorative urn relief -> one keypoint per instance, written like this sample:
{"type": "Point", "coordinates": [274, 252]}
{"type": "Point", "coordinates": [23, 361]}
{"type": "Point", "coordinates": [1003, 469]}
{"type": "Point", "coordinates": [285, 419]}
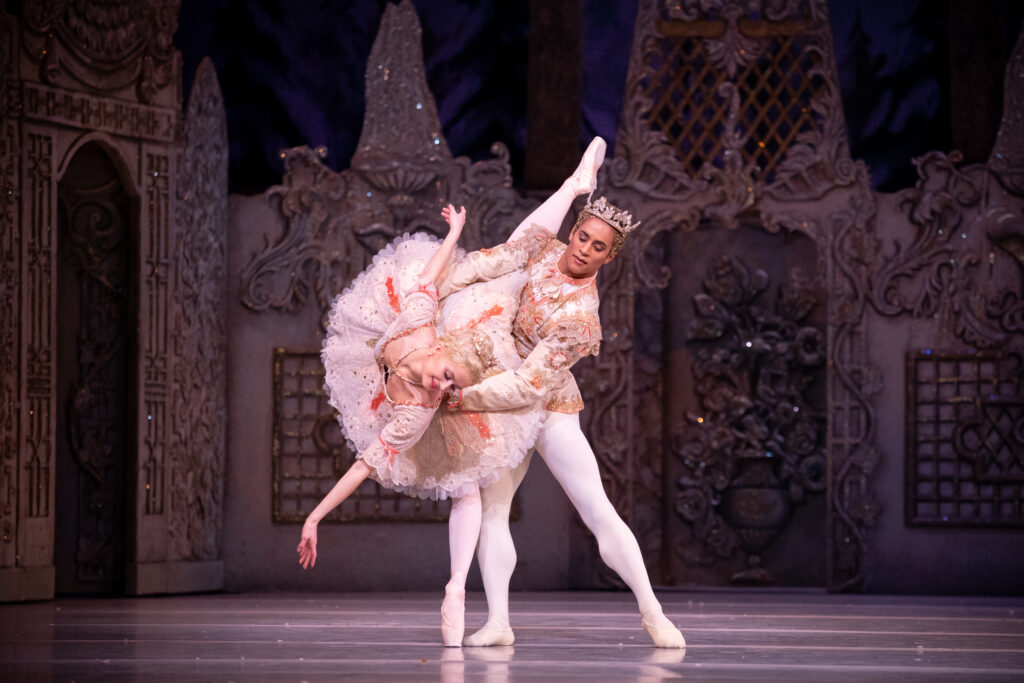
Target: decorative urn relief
{"type": "Point", "coordinates": [757, 447]}
{"type": "Point", "coordinates": [757, 509]}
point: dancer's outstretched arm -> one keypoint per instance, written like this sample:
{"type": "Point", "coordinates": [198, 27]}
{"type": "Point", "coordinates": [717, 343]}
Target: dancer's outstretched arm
{"type": "Point", "coordinates": [437, 263]}
{"type": "Point", "coordinates": [402, 432]}
{"type": "Point", "coordinates": [348, 483]}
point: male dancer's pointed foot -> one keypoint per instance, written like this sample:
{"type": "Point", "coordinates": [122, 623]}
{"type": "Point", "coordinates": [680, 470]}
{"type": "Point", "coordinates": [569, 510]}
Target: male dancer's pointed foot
{"type": "Point", "coordinates": [453, 617]}
{"type": "Point", "coordinates": [662, 631]}
{"type": "Point", "coordinates": [492, 633]}
{"type": "Point", "coordinates": [584, 178]}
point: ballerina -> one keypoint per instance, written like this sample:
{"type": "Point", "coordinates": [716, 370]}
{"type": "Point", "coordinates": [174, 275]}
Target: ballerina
{"type": "Point", "coordinates": [387, 372]}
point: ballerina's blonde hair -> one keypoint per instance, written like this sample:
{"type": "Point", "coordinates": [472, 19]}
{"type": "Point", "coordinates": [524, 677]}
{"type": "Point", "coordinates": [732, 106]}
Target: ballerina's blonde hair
{"type": "Point", "coordinates": [471, 349]}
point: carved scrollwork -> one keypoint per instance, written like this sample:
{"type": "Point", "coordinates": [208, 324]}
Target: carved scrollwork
{"type": "Point", "coordinates": [8, 386]}
{"type": "Point", "coordinates": [401, 176]}
{"type": "Point", "coordinates": [759, 445]}
{"type": "Point", "coordinates": [311, 256]}
{"type": "Point", "coordinates": [730, 101]}
{"type": "Point", "coordinates": [38, 357]}
{"type": "Point", "coordinates": [1007, 158]}
{"type": "Point", "coordinates": [854, 458]}
{"type": "Point", "coordinates": [106, 45]}
{"type": "Point", "coordinates": [198, 433]}
{"type": "Point", "coordinates": [10, 294]}
{"type": "Point", "coordinates": [651, 270]}
{"type": "Point", "coordinates": [94, 248]}
{"type": "Point", "coordinates": [710, 133]}
{"type": "Point", "coordinates": [946, 269]}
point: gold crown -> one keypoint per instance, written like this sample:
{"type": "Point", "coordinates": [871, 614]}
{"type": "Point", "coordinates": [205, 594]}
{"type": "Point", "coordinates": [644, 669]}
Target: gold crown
{"type": "Point", "coordinates": [621, 220]}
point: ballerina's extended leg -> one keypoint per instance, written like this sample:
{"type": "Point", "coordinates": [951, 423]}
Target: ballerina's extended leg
{"type": "Point", "coordinates": [584, 178]}
{"type": "Point", "coordinates": [552, 212]}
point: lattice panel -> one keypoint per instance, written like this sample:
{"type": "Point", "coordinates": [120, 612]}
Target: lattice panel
{"type": "Point", "coordinates": [776, 93]}
{"type": "Point", "coordinates": [309, 454]}
{"type": "Point", "coordinates": [965, 440]}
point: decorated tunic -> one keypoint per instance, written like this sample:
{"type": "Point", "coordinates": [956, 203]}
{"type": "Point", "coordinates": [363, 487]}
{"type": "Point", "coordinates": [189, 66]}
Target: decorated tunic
{"type": "Point", "coordinates": [557, 325]}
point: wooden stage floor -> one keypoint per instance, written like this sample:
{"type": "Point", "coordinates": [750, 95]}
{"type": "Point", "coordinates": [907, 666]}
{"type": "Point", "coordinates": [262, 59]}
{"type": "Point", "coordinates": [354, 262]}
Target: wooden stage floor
{"type": "Point", "coordinates": [594, 636]}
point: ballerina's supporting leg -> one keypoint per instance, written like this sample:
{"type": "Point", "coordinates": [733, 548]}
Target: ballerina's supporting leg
{"type": "Point", "coordinates": [497, 557]}
{"type": "Point", "coordinates": [568, 455]}
{"type": "Point", "coordinates": [463, 532]}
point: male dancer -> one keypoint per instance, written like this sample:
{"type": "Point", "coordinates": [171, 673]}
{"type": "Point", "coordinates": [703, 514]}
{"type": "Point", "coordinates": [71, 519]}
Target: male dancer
{"type": "Point", "coordinates": [557, 324]}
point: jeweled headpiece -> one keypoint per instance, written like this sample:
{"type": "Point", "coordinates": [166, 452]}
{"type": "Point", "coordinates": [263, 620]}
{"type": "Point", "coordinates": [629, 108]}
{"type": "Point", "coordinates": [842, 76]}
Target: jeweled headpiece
{"type": "Point", "coordinates": [621, 221]}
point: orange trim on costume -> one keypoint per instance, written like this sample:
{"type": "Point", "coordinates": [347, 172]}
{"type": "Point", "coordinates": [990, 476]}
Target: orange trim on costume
{"type": "Point", "coordinates": [396, 305]}
{"type": "Point", "coordinates": [478, 421]}
{"type": "Point", "coordinates": [536, 381]}
{"type": "Point", "coordinates": [390, 450]}
{"type": "Point", "coordinates": [429, 289]}
{"type": "Point", "coordinates": [377, 400]}
{"type": "Point", "coordinates": [489, 313]}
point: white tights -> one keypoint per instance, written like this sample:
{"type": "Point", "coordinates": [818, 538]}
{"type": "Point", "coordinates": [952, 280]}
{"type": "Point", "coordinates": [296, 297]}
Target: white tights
{"type": "Point", "coordinates": [463, 531]}
{"type": "Point", "coordinates": [465, 518]}
{"type": "Point", "coordinates": [569, 457]}
{"type": "Point", "coordinates": [551, 213]}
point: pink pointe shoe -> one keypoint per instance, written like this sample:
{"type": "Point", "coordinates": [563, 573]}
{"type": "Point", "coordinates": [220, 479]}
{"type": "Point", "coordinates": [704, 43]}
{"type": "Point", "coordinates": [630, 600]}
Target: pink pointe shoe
{"type": "Point", "coordinates": [584, 178]}
{"type": "Point", "coordinates": [453, 618]}
{"type": "Point", "coordinates": [662, 631]}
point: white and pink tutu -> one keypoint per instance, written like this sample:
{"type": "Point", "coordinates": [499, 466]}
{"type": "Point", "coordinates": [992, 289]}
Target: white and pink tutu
{"type": "Point", "coordinates": [434, 452]}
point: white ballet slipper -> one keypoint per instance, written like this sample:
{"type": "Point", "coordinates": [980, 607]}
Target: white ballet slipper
{"type": "Point", "coordinates": [453, 617]}
{"type": "Point", "coordinates": [662, 631]}
{"type": "Point", "coordinates": [584, 178]}
{"type": "Point", "coordinates": [492, 633]}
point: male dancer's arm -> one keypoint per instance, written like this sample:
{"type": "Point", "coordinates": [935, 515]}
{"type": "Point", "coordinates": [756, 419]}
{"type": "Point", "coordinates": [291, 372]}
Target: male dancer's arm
{"type": "Point", "coordinates": [543, 371]}
{"type": "Point", "coordinates": [488, 264]}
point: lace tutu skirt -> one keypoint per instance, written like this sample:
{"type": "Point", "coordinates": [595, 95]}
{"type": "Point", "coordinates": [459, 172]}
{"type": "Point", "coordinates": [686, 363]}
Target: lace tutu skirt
{"type": "Point", "coordinates": [459, 451]}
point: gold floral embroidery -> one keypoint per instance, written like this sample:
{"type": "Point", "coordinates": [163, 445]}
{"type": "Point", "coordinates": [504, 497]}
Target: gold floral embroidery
{"type": "Point", "coordinates": [557, 360]}
{"type": "Point", "coordinates": [404, 333]}
{"type": "Point", "coordinates": [565, 404]}
{"type": "Point", "coordinates": [418, 404]}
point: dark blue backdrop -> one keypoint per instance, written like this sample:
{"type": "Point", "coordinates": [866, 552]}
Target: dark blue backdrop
{"type": "Point", "coordinates": [292, 74]}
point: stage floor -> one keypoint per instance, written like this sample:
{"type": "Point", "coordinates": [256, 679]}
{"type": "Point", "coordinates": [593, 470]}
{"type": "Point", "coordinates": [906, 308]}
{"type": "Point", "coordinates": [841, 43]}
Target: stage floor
{"type": "Point", "coordinates": [734, 635]}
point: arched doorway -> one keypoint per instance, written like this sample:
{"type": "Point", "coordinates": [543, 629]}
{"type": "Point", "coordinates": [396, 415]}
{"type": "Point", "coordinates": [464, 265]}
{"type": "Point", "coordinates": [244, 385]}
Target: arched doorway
{"type": "Point", "coordinates": [97, 352]}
